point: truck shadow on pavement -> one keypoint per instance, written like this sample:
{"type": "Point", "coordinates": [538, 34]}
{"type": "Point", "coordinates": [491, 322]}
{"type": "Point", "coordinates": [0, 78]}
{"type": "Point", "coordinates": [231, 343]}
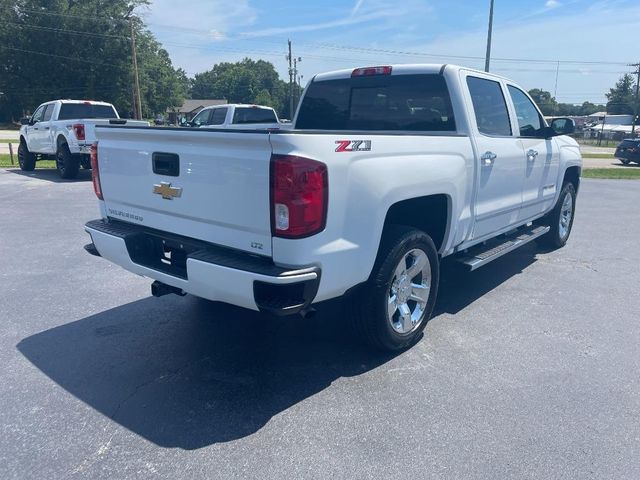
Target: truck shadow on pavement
{"type": "Point", "coordinates": [187, 373]}
{"type": "Point", "coordinates": [51, 175]}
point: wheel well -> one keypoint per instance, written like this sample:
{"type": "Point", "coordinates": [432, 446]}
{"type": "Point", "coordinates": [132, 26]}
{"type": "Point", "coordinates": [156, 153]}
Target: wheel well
{"type": "Point", "coordinates": [61, 141]}
{"type": "Point", "coordinates": [572, 175]}
{"type": "Point", "coordinates": [23, 140]}
{"type": "Point", "coordinates": [429, 214]}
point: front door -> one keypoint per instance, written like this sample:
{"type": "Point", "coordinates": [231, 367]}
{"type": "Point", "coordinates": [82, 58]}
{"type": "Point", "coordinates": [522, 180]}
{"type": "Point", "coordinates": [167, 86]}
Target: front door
{"type": "Point", "coordinates": [34, 141]}
{"type": "Point", "coordinates": [499, 155]}
{"type": "Point", "coordinates": [541, 157]}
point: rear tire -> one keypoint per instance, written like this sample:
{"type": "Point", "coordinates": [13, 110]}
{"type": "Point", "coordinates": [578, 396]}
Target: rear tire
{"type": "Point", "coordinates": [26, 159]}
{"type": "Point", "coordinates": [390, 310]}
{"type": "Point", "coordinates": [68, 165]}
{"type": "Point", "coordinates": [624, 161]}
{"type": "Point", "coordinates": [560, 219]}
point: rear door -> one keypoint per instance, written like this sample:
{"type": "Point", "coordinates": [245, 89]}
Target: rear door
{"type": "Point", "coordinates": [541, 156]}
{"type": "Point", "coordinates": [498, 153]}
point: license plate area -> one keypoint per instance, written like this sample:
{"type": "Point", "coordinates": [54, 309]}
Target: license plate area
{"type": "Point", "coordinates": [162, 254]}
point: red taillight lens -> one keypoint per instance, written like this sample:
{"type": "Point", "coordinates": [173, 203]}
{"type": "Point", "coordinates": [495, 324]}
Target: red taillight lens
{"type": "Point", "coordinates": [95, 172]}
{"type": "Point", "coordinates": [78, 129]}
{"type": "Point", "coordinates": [367, 71]}
{"type": "Point", "coordinates": [299, 192]}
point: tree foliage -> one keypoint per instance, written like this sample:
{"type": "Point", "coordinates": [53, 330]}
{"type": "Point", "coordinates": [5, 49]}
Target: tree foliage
{"type": "Point", "coordinates": [550, 107]}
{"type": "Point", "coordinates": [248, 81]}
{"type": "Point", "coordinates": [81, 49]}
{"type": "Point", "coordinates": [621, 96]}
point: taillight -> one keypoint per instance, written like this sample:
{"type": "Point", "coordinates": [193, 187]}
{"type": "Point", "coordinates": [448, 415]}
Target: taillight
{"type": "Point", "coordinates": [95, 172]}
{"type": "Point", "coordinates": [299, 192]}
{"type": "Point", "coordinates": [367, 71]}
{"type": "Point", "coordinates": [78, 129]}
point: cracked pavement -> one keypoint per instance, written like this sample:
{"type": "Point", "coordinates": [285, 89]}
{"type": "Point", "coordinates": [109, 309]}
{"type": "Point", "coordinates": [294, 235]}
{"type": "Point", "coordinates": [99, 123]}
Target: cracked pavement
{"type": "Point", "coordinates": [529, 368]}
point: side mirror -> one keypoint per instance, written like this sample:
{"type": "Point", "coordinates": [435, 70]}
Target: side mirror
{"type": "Point", "coordinates": [563, 126]}
{"type": "Point", "coordinates": [25, 120]}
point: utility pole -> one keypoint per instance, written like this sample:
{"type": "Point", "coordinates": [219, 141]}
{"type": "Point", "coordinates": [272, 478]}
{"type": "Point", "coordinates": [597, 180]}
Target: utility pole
{"type": "Point", "coordinates": [296, 80]}
{"type": "Point", "coordinates": [290, 59]}
{"type": "Point", "coordinates": [637, 100]}
{"type": "Point", "coordinates": [488, 56]}
{"type": "Point", "coordinates": [138, 102]}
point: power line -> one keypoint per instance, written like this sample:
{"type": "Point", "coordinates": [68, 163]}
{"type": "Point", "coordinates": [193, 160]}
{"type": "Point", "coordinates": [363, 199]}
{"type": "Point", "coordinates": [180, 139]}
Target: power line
{"type": "Point", "coordinates": [63, 30]}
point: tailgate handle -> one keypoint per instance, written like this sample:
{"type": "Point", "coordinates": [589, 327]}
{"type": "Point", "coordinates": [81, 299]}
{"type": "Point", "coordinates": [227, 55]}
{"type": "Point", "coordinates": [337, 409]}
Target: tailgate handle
{"type": "Point", "coordinates": [166, 164]}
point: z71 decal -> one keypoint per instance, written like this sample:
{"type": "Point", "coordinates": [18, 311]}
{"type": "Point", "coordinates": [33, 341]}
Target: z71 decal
{"type": "Point", "coordinates": [353, 145]}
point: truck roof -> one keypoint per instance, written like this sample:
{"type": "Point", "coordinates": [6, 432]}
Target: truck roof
{"type": "Point", "coordinates": [248, 105]}
{"type": "Point", "coordinates": [68, 100]}
{"type": "Point", "coordinates": [400, 69]}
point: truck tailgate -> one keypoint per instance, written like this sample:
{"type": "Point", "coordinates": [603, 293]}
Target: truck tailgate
{"type": "Point", "coordinates": [212, 186]}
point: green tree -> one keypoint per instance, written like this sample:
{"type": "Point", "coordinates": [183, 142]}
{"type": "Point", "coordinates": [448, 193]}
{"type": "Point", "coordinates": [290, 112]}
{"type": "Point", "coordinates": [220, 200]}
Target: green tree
{"type": "Point", "coordinates": [544, 100]}
{"type": "Point", "coordinates": [621, 96]}
{"type": "Point", "coordinates": [70, 49]}
{"type": "Point", "coordinates": [248, 81]}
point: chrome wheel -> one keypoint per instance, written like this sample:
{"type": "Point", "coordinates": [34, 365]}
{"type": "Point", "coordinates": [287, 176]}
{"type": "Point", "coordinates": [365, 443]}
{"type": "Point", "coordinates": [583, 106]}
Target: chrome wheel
{"type": "Point", "coordinates": [409, 291]}
{"type": "Point", "coordinates": [566, 214]}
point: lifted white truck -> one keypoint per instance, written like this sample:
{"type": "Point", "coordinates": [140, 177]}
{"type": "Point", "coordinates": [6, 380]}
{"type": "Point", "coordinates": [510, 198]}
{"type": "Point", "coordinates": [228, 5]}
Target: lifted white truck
{"type": "Point", "coordinates": [63, 130]}
{"type": "Point", "coordinates": [386, 171]}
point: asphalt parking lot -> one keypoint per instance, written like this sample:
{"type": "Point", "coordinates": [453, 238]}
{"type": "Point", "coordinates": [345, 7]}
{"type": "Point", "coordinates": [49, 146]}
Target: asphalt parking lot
{"type": "Point", "coordinates": [530, 367]}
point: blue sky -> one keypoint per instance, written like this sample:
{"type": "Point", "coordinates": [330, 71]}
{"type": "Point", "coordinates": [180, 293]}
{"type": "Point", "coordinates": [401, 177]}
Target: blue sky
{"type": "Point", "coordinates": [330, 35]}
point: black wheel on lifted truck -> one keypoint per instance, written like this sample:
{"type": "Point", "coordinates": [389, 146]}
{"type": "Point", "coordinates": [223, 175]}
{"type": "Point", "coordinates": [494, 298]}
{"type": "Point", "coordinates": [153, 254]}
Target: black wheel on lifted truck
{"type": "Point", "coordinates": [26, 159]}
{"type": "Point", "coordinates": [392, 308]}
{"type": "Point", "coordinates": [68, 165]}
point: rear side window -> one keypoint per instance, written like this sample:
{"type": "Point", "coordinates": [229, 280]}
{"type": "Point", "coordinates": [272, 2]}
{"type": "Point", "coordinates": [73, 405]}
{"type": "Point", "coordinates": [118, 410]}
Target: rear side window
{"type": "Point", "coordinates": [217, 116]}
{"type": "Point", "coordinates": [69, 111]}
{"type": "Point", "coordinates": [529, 121]}
{"type": "Point", "coordinates": [489, 106]}
{"type": "Point", "coordinates": [386, 102]}
{"type": "Point", "coordinates": [254, 115]}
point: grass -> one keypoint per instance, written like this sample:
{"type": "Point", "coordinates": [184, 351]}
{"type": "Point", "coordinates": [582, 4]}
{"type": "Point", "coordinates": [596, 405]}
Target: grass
{"type": "Point", "coordinates": [612, 173]}
{"type": "Point", "coordinates": [6, 140]}
{"type": "Point", "coordinates": [5, 162]}
{"type": "Point", "coordinates": [598, 155]}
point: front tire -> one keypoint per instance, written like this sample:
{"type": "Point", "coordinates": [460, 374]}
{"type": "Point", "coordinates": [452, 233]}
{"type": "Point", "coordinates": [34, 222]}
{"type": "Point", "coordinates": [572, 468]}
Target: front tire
{"type": "Point", "coordinates": [26, 159]}
{"type": "Point", "coordinates": [67, 165]}
{"type": "Point", "coordinates": [624, 161]}
{"type": "Point", "coordinates": [560, 219]}
{"type": "Point", "coordinates": [390, 310]}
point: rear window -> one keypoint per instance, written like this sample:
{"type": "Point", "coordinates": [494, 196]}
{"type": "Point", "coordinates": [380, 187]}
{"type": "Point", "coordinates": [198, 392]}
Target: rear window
{"type": "Point", "coordinates": [70, 111]}
{"type": "Point", "coordinates": [384, 102]}
{"type": "Point", "coordinates": [254, 115]}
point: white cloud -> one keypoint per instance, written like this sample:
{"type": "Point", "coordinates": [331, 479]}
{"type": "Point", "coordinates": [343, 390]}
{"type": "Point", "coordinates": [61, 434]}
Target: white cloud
{"type": "Point", "coordinates": [550, 4]}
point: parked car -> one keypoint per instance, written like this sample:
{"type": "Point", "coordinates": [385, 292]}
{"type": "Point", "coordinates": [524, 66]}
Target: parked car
{"type": "Point", "coordinates": [628, 151]}
{"type": "Point", "coordinates": [64, 130]}
{"type": "Point", "coordinates": [386, 171]}
{"type": "Point", "coordinates": [159, 120]}
{"type": "Point", "coordinates": [236, 116]}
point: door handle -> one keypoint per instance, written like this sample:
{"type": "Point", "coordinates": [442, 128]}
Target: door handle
{"type": "Point", "coordinates": [531, 155]}
{"type": "Point", "coordinates": [488, 158]}
{"type": "Point", "coordinates": [46, 128]}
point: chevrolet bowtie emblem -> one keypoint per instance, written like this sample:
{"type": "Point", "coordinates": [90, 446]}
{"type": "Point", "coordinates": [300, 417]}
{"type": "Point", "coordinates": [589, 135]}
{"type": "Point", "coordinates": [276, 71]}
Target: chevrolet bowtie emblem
{"type": "Point", "coordinates": [167, 191]}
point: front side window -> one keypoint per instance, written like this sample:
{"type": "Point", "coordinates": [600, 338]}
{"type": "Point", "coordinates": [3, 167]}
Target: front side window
{"type": "Point", "coordinates": [37, 117]}
{"type": "Point", "coordinates": [418, 102]}
{"type": "Point", "coordinates": [202, 118]}
{"type": "Point", "coordinates": [47, 112]}
{"type": "Point", "coordinates": [218, 116]}
{"type": "Point", "coordinates": [529, 120]}
{"type": "Point", "coordinates": [489, 106]}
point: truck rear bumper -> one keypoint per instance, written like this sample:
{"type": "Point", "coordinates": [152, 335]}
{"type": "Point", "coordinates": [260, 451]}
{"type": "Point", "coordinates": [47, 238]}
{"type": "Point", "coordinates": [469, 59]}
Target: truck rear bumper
{"type": "Point", "coordinates": [205, 270]}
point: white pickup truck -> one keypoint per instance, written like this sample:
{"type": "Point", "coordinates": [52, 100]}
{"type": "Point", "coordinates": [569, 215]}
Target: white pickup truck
{"type": "Point", "coordinates": [236, 116]}
{"type": "Point", "coordinates": [64, 130]}
{"type": "Point", "coordinates": [386, 171]}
